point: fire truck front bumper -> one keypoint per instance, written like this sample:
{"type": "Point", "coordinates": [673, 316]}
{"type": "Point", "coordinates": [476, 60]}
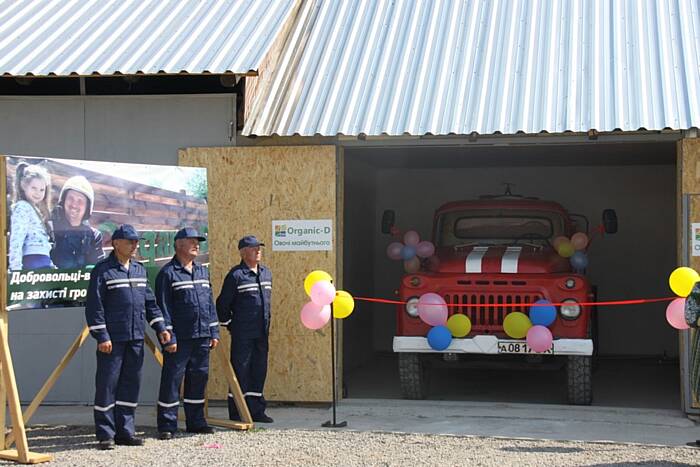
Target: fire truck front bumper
{"type": "Point", "coordinates": [493, 345]}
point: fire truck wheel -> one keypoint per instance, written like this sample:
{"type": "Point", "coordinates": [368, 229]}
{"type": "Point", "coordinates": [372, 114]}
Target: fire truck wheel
{"type": "Point", "coordinates": [412, 376]}
{"type": "Point", "coordinates": [579, 380]}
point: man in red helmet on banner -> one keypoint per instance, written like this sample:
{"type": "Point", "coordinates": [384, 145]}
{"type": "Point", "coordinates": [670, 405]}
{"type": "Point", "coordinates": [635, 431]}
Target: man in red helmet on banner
{"type": "Point", "coordinates": [76, 243]}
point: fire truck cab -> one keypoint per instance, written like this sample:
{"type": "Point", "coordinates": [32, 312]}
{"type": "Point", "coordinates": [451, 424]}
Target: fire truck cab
{"type": "Point", "coordinates": [498, 250]}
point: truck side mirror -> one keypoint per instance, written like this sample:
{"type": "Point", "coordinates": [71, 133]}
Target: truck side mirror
{"type": "Point", "coordinates": [610, 221]}
{"type": "Point", "coordinates": [388, 218]}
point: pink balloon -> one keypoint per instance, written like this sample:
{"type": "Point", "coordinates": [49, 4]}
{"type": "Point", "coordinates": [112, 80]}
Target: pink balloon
{"type": "Point", "coordinates": [579, 240]}
{"type": "Point", "coordinates": [539, 338]}
{"type": "Point", "coordinates": [411, 238]}
{"type": "Point", "coordinates": [315, 316]}
{"type": "Point", "coordinates": [675, 314]}
{"type": "Point", "coordinates": [393, 251]}
{"type": "Point", "coordinates": [322, 293]}
{"type": "Point", "coordinates": [558, 241]}
{"type": "Point", "coordinates": [432, 309]}
{"type": "Point", "coordinates": [412, 265]}
{"type": "Point", "coordinates": [425, 249]}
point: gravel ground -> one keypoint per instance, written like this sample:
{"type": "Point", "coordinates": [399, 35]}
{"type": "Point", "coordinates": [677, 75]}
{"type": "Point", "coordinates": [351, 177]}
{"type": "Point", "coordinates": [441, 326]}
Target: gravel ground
{"type": "Point", "coordinates": [76, 446]}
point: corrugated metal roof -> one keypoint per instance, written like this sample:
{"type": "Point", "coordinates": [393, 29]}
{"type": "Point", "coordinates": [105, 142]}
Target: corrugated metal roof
{"type": "Point", "coordinates": [454, 67]}
{"type": "Point", "coordinates": [86, 37]}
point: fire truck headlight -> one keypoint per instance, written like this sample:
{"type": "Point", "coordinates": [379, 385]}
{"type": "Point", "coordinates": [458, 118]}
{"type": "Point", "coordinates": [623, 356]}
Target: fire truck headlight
{"type": "Point", "coordinates": [570, 283]}
{"type": "Point", "coordinates": [570, 309]}
{"type": "Point", "coordinates": [412, 307]}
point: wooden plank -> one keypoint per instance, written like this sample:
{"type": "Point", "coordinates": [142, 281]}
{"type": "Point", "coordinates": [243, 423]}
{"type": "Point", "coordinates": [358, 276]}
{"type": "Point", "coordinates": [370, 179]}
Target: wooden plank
{"type": "Point", "coordinates": [156, 353]}
{"type": "Point", "coordinates": [55, 374]}
{"type": "Point", "coordinates": [233, 385]}
{"type": "Point", "coordinates": [230, 424]}
{"type": "Point", "coordinates": [31, 457]}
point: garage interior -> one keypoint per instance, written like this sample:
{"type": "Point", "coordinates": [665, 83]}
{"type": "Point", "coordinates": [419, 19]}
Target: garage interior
{"type": "Point", "coordinates": [638, 352]}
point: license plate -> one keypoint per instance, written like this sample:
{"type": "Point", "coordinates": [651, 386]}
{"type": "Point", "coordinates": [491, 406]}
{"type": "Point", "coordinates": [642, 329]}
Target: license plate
{"type": "Point", "coordinates": [520, 347]}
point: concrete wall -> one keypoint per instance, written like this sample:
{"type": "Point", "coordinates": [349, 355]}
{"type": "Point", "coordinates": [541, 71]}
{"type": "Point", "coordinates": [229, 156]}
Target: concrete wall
{"type": "Point", "coordinates": [145, 129]}
{"type": "Point", "coordinates": [634, 263]}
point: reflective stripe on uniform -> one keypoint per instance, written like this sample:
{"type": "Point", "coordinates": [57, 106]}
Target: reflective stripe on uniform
{"type": "Point", "coordinates": [193, 401]}
{"type": "Point", "coordinates": [103, 409]}
{"type": "Point", "coordinates": [254, 394]}
{"type": "Point", "coordinates": [127, 404]}
{"type": "Point", "coordinates": [155, 320]}
{"type": "Point", "coordinates": [117, 286]}
{"type": "Point", "coordinates": [179, 283]}
{"type": "Point", "coordinates": [97, 326]}
{"type": "Point", "coordinates": [248, 286]}
{"type": "Point", "coordinates": [164, 404]}
{"type": "Point", "coordinates": [225, 323]}
{"type": "Point", "coordinates": [215, 323]}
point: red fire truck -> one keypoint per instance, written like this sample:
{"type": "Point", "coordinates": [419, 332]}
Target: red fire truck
{"type": "Point", "coordinates": [498, 250]}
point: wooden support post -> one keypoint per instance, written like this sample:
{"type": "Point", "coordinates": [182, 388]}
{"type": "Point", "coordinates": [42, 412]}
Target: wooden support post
{"type": "Point", "coordinates": [41, 395]}
{"type": "Point", "coordinates": [22, 453]}
{"type": "Point", "coordinates": [246, 422]}
{"type": "Point", "coordinates": [151, 345]}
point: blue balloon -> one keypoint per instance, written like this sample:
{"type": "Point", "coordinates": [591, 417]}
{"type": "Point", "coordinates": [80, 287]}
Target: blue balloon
{"type": "Point", "coordinates": [408, 252]}
{"type": "Point", "coordinates": [543, 315]}
{"type": "Point", "coordinates": [579, 261]}
{"type": "Point", "coordinates": [439, 338]}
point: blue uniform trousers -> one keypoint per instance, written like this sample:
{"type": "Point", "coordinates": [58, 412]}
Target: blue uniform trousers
{"type": "Point", "coordinates": [117, 384]}
{"type": "Point", "coordinates": [249, 360]}
{"type": "Point", "coordinates": [191, 362]}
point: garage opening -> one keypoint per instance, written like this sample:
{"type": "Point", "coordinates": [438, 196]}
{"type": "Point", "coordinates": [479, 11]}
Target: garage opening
{"type": "Point", "coordinates": [636, 357]}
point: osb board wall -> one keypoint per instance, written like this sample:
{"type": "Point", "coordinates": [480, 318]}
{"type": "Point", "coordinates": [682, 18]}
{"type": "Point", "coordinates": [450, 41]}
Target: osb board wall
{"type": "Point", "coordinates": [249, 187]}
{"type": "Point", "coordinates": [689, 183]}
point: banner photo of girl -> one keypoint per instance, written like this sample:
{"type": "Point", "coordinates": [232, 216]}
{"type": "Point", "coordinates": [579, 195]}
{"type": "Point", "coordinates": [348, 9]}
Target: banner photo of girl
{"type": "Point", "coordinates": [61, 214]}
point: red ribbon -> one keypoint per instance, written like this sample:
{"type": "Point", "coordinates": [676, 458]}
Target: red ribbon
{"type": "Point", "coordinates": [640, 301]}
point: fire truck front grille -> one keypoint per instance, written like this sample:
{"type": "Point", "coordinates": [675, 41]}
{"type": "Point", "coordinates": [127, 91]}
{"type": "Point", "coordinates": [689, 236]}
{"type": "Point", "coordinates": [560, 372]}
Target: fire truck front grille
{"type": "Point", "coordinates": [487, 310]}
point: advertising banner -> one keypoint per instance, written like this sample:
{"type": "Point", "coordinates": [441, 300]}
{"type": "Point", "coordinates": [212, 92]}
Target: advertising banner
{"type": "Point", "coordinates": [61, 214]}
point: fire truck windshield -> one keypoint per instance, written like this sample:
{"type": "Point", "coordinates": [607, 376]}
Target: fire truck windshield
{"type": "Point", "coordinates": [498, 226]}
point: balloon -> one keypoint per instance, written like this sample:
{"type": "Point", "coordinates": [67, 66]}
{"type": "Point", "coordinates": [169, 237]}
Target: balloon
{"type": "Point", "coordinates": [459, 325]}
{"type": "Point", "coordinates": [682, 281]}
{"type": "Point", "coordinates": [432, 309]}
{"type": "Point", "coordinates": [675, 314]}
{"type": "Point", "coordinates": [412, 265]}
{"type": "Point", "coordinates": [408, 252]}
{"type": "Point", "coordinates": [433, 263]}
{"type": "Point", "coordinates": [313, 277]}
{"type": "Point", "coordinates": [566, 249]}
{"type": "Point", "coordinates": [558, 241]}
{"type": "Point", "coordinates": [411, 238]}
{"type": "Point", "coordinates": [579, 241]}
{"type": "Point", "coordinates": [543, 315]}
{"type": "Point", "coordinates": [539, 338]}
{"type": "Point", "coordinates": [393, 251]}
{"type": "Point", "coordinates": [322, 293]}
{"type": "Point", "coordinates": [315, 316]}
{"type": "Point", "coordinates": [343, 304]}
{"type": "Point", "coordinates": [579, 260]}
{"type": "Point", "coordinates": [439, 338]}
{"type": "Point", "coordinates": [516, 324]}
{"type": "Point", "coordinates": [425, 249]}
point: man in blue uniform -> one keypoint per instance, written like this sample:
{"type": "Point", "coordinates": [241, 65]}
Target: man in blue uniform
{"type": "Point", "coordinates": [119, 303]}
{"type": "Point", "coordinates": [184, 295]}
{"type": "Point", "coordinates": [244, 307]}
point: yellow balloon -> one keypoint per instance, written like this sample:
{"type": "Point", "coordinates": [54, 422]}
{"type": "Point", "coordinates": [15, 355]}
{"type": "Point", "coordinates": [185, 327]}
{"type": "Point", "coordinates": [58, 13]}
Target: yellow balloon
{"type": "Point", "coordinates": [682, 281]}
{"type": "Point", "coordinates": [459, 325]}
{"type": "Point", "coordinates": [566, 249]}
{"type": "Point", "coordinates": [516, 325]}
{"type": "Point", "coordinates": [343, 304]}
{"type": "Point", "coordinates": [313, 277]}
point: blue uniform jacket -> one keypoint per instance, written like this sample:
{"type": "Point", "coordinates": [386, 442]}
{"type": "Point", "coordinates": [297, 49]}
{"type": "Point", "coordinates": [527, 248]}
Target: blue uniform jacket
{"type": "Point", "coordinates": [186, 301]}
{"type": "Point", "coordinates": [244, 302]}
{"type": "Point", "coordinates": [119, 302]}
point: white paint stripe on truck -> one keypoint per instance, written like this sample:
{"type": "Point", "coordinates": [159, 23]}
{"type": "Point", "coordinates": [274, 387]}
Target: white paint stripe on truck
{"type": "Point", "coordinates": [509, 262]}
{"type": "Point", "coordinates": [473, 262]}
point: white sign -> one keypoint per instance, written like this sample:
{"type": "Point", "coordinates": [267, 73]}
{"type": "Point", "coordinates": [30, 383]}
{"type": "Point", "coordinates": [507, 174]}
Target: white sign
{"type": "Point", "coordinates": [302, 235]}
{"type": "Point", "coordinates": [695, 239]}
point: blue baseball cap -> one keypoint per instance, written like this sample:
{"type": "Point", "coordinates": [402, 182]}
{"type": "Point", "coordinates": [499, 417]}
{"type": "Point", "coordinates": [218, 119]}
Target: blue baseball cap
{"type": "Point", "coordinates": [189, 232]}
{"type": "Point", "coordinates": [249, 240]}
{"type": "Point", "coordinates": [125, 232]}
